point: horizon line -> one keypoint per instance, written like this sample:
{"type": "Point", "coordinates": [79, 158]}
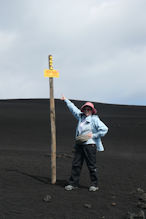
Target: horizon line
{"type": "Point", "coordinates": [19, 99]}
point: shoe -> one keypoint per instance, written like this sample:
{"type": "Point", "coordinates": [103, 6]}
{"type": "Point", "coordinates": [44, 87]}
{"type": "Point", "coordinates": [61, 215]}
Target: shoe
{"type": "Point", "coordinates": [70, 187]}
{"type": "Point", "coordinates": [93, 188]}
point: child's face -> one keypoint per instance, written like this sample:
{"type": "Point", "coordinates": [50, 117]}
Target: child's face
{"type": "Point", "coordinates": [87, 110]}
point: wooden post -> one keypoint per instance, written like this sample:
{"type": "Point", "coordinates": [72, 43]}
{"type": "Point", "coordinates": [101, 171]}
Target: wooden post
{"type": "Point", "coordinates": [53, 127]}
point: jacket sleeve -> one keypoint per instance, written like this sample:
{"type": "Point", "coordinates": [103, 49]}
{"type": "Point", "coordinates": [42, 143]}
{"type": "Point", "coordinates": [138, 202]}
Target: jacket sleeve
{"type": "Point", "coordinates": [101, 128]}
{"type": "Point", "coordinates": [73, 109]}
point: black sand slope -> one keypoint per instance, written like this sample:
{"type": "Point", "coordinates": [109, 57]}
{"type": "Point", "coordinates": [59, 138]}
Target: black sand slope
{"type": "Point", "coordinates": [25, 163]}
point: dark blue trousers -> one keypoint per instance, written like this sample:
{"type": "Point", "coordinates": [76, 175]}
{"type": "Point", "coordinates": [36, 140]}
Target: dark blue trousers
{"type": "Point", "coordinates": [87, 153]}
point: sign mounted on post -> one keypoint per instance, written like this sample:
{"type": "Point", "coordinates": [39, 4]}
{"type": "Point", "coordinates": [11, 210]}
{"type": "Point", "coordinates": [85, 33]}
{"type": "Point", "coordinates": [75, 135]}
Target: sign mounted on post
{"type": "Point", "coordinates": [51, 73]}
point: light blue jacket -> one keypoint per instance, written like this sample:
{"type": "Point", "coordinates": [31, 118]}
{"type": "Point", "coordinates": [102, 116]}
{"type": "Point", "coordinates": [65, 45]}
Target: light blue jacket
{"type": "Point", "coordinates": [98, 128]}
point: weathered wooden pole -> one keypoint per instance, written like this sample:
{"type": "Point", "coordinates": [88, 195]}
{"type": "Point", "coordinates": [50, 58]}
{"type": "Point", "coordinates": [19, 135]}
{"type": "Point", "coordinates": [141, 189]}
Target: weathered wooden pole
{"type": "Point", "coordinates": [53, 126]}
{"type": "Point", "coordinates": [52, 73]}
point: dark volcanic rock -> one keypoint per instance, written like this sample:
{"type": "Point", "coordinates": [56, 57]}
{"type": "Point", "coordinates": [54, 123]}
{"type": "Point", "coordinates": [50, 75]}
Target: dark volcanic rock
{"type": "Point", "coordinates": [87, 205]}
{"type": "Point", "coordinates": [139, 215]}
{"type": "Point", "coordinates": [47, 198]}
{"type": "Point", "coordinates": [25, 162]}
{"type": "Point", "coordinates": [141, 195]}
{"type": "Point", "coordinates": [141, 205]}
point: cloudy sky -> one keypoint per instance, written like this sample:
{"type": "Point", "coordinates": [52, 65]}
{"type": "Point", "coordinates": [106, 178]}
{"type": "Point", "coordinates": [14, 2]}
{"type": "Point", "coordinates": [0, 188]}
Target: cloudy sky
{"type": "Point", "coordinates": [98, 46]}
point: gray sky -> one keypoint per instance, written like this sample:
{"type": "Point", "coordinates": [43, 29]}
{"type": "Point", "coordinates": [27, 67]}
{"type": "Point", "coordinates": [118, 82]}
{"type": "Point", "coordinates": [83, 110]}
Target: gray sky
{"type": "Point", "coordinates": [98, 46]}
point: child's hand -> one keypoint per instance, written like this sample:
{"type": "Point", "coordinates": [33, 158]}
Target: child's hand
{"type": "Point", "coordinates": [90, 135]}
{"type": "Point", "coordinates": [63, 97]}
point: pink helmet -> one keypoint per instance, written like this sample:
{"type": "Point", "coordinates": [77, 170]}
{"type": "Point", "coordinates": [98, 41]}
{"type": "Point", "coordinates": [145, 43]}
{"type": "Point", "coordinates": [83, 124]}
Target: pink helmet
{"type": "Point", "coordinates": [94, 111]}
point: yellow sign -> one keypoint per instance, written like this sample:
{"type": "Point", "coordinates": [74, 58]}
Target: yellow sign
{"type": "Point", "coordinates": [51, 73]}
